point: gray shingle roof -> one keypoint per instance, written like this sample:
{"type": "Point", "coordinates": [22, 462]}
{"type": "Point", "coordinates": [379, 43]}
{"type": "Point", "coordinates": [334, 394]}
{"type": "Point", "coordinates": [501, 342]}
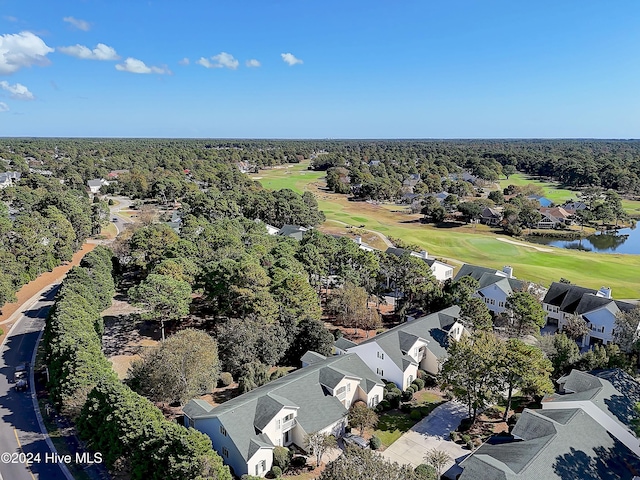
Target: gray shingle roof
{"type": "Point", "coordinates": [243, 416]}
{"type": "Point", "coordinates": [343, 343]}
{"type": "Point", "coordinates": [312, 357]}
{"type": "Point", "coordinates": [474, 271]}
{"type": "Point", "coordinates": [578, 447]}
{"type": "Point", "coordinates": [432, 328]}
{"type": "Point", "coordinates": [566, 296]}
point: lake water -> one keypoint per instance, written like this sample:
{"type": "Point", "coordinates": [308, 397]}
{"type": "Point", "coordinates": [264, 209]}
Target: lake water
{"type": "Point", "coordinates": [625, 240]}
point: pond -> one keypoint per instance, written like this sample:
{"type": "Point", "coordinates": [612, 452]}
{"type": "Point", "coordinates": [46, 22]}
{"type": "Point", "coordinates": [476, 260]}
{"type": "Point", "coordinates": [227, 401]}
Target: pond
{"type": "Point", "coordinates": [625, 240]}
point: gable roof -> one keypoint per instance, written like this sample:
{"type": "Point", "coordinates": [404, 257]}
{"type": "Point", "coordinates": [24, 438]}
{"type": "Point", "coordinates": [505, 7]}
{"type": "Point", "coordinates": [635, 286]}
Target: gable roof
{"type": "Point", "coordinates": [566, 296]}
{"type": "Point", "coordinates": [343, 343]}
{"type": "Point", "coordinates": [613, 391]}
{"type": "Point", "coordinates": [562, 444]}
{"type": "Point", "coordinates": [243, 417]}
{"type": "Point", "coordinates": [475, 271]}
{"type": "Point", "coordinates": [433, 328]}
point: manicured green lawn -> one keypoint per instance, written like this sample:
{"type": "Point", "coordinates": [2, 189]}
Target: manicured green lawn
{"type": "Point", "coordinates": [473, 244]}
{"type": "Point", "coordinates": [552, 190]}
{"type": "Point", "coordinates": [392, 425]}
{"type": "Point", "coordinates": [296, 177]}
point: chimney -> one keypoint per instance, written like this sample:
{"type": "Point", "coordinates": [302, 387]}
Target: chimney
{"type": "Point", "coordinates": [508, 270]}
{"type": "Point", "coordinates": [423, 254]}
{"type": "Point", "coordinates": [604, 292]}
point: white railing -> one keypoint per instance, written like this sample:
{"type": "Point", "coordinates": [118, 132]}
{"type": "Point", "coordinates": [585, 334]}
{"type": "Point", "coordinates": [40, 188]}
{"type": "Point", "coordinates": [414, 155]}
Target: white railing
{"type": "Point", "coordinates": [289, 424]}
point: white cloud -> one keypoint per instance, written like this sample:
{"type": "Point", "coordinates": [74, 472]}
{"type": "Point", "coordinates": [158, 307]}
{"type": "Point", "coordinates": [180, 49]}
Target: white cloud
{"type": "Point", "coordinates": [79, 24]}
{"type": "Point", "coordinates": [222, 60]}
{"type": "Point", "coordinates": [17, 91]}
{"type": "Point", "coordinates": [4, 107]}
{"type": "Point", "coordinates": [133, 65]}
{"type": "Point", "coordinates": [184, 61]}
{"type": "Point", "coordinates": [10, 18]}
{"type": "Point", "coordinates": [290, 59]}
{"type": "Point", "coordinates": [252, 63]}
{"type": "Point", "coordinates": [101, 52]}
{"type": "Point", "coordinates": [22, 50]}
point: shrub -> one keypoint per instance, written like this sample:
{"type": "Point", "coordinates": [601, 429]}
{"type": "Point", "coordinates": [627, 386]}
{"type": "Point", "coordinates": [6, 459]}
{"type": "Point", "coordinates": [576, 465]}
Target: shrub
{"type": "Point", "coordinates": [276, 471]}
{"type": "Point", "coordinates": [110, 202]}
{"type": "Point", "coordinates": [454, 436]}
{"type": "Point", "coordinates": [405, 407]}
{"type": "Point", "coordinates": [384, 405]}
{"type": "Point", "coordinates": [419, 383]}
{"type": "Point", "coordinates": [375, 443]}
{"type": "Point", "coordinates": [466, 438]}
{"type": "Point", "coordinates": [226, 379]}
{"type": "Point", "coordinates": [415, 415]}
{"type": "Point", "coordinates": [298, 461]}
{"type": "Point", "coordinates": [1, 331]}
{"type": "Point", "coordinates": [337, 333]}
{"type": "Point", "coordinates": [389, 386]}
{"type": "Point", "coordinates": [282, 458]}
{"type": "Point", "coordinates": [406, 396]}
{"type": "Point", "coordinates": [465, 424]}
{"type": "Point", "coordinates": [424, 471]}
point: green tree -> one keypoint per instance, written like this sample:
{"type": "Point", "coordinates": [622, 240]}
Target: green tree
{"type": "Point", "coordinates": [626, 330]}
{"type": "Point", "coordinates": [525, 367]}
{"type": "Point", "coordinates": [310, 335]}
{"type": "Point", "coordinates": [470, 210]}
{"type": "Point", "coordinates": [184, 366]}
{"type": "Point", "coordinates": [471, 372]}
{"type": "Point", "coordinates": [525, 314]}
{"type": "Point", "coordinates": [165, 297]}
{"type": "Point", "coordinates": [575, 327]}
{"type": "Point", "coordinates": [361, 463]}
{"type": "Point", "coordinates": [563, 354]}
{"type": "Point", "coordinates": [361, 417]}
{"type": "Point", "coordinates": [475, 314]}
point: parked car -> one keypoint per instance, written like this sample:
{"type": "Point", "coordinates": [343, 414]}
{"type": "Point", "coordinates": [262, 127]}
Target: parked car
{"type": "Point", "coordinates": [114, 219]}
{"type": "Point", "coordinates": [21, 371]}
{"type": "Point", "coordinates": [353, 439]}
{"type": "Point", "coordinates": [22, 385]}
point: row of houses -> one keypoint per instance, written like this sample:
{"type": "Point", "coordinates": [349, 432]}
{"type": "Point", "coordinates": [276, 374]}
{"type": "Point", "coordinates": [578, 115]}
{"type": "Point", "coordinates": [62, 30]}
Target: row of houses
{"type": "Point", "coordinates": [316, 398]}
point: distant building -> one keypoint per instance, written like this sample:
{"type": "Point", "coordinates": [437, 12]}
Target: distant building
{"type": "Point", "coordinates": [9, 178]}
{"type": "Point", "coordinates": [494, 287]}
{"type": "Point", "coordinates": [96, 184]}
{"type": "Point", "coordinates": [441, 271]}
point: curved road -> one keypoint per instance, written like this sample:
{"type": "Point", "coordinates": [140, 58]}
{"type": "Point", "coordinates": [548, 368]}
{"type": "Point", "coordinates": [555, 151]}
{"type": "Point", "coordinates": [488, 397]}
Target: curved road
{"type": "Point", "coordinates": [19, 428]}
{"type": "Point", "coordinates": [20, 432]}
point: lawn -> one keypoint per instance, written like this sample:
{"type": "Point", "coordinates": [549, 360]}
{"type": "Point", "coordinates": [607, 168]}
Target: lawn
{"type": "Point", "coordinates": [552, 190]}
{"type": "Point", "coordinates": [473, 244]}
{"type": "Point", "coordinates": [391, 426]}
{"type": "Point", "coordinates": [296, 177]}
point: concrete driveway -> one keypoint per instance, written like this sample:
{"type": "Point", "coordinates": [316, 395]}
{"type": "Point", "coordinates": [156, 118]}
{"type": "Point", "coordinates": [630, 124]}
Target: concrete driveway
{"type": "Point", "coordinates": [430, 432]}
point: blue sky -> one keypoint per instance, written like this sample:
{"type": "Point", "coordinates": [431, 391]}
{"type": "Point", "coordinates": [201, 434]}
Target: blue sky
{"type": "Point", "coordinates": [320, 69]}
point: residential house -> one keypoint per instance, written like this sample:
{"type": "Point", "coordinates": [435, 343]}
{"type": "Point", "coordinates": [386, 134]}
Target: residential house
{"type": "Point", "coordinates": [9, 178]}
{"type": "Point", "coordinates": [586, 431]}
{"type": "Point", "coordinates": [341, 345]}
{"type": "Point", "coordinates": [362, 245]}
{"type": "Point", "coordinates": [596, 307]}
{"type": "Point", "coordinates": [294, 231]}
{"type": "Point", "coordinates": [543, 201]}
{"type": "Point", "coordinates": [464, 177]}
{"type": "Point", "coordinates": [397, 354]}
{"type": "Point", "coordinates": [412, 180]}
{"type": "Point", "coordinates": [491, 216]}
{"type": "Point", "coordinates": [554, 217]}
{"type": "Point", "coordinates": [96, 184]}
{"type": "Point", "coordinates": [315, 398]}
{"type": "Point", "coordinates": [441, 271]}
{"type": "Point", "coordinates": [573, 207]}
{"type": "Point", "coordinates": [374, 163]}
{"type": "Point", "coordinates": [494, 287]}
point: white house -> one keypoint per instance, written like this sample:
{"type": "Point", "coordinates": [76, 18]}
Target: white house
{"type": "Point", "coordinates": [596, 307]}
{"type": "Point", "coordinates": [441, 271]}
{"type": "Point", "coordinates": [494, 287]}
{"type": "Point", "coordinates": [315, 398]}
{"type": "Point", "coordinates": [9, 178]}
{"type": "Point", "coordinates": [95, 184]}
{"type": "Point", "coordinates": [397, 354]}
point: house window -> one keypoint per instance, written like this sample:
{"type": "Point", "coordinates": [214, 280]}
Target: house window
{"type": "Point", "coordinates": [225, 452]}
{"type": "Point", "coordinates": [348, 387]}
{"type": "Point", "coordinates": [379, 371]}
{"type": "Point", "coordinates": [288, 417]}
{"type": "Point", "coordinates": [492, 301]}
{"type": "Point", "coordinates": [448, 274]}
{"type": "Point", "coordinates": [416, 351]}
{"type": "Point", "coordinates": [223, 430]}
{"type": "Point", "coordinates": [501, 304]}
{"type": "Point", "coordinates": [277, 424]}
{"type": "Point", "coordinates": [261, 467]}
{"type": "Point", "coordinates": [374, 401]}
{"type": "Point", "coordinates": [409, 380]}
{"type": "Point", "coordinates": [381, 355]}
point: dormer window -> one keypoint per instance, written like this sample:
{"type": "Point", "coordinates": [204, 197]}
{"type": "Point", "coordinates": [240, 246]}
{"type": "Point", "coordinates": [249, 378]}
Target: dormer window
{"type": "Point", "coordinates": [223, 430]}
{"type": "Point", "coordinates": [381, 355]}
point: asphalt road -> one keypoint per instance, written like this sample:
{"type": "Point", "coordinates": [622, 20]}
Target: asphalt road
{"type": "Point", "coordinates": [19, 429]}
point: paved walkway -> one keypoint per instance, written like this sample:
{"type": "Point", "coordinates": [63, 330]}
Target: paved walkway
{"type": "Point", "coordinates": [431, 432]}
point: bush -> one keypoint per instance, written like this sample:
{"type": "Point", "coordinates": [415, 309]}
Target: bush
{"type": "Point", "coordinates": [375, 443]}
{"type": "Point", "coordinates": [465, 424]}
{"type": "Point", "coordinates": [415, 415]}
{"type": "Point", "coordinates": [405, 407]}
{"type": "Point", "coordinates": [282, 458]}
{"type": "Point", "coordinates": [298, 461]}
{"type": "Point", "coordinates": [419, 383]}
{"type": "Point", "coordinates": [454, 436]}
{"type": "Point", "coordinates": [226, 379]}
{"type": "Point", "coordinates": [426, 472]}
{"type": "Point", "coordinates": [383, 406]}
{"type": "Point", "coordinates": [1, 331]}
{"type": "Point", "coordinates": [466, 438]}
{"type": "Point", "coordinates": [337, 333]}
{"type": "Point", "coordinates": [406, 396]}
{"type": "Point", "coordinates": [276, 472]}
{"type": "Point", "coordinates": [389, 386]}
{"type": "Point", "coordinates": [110, 202]}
